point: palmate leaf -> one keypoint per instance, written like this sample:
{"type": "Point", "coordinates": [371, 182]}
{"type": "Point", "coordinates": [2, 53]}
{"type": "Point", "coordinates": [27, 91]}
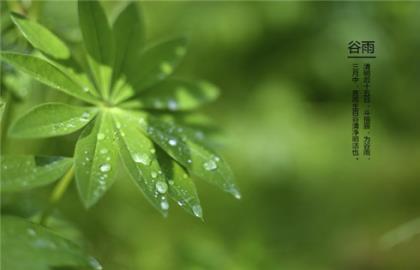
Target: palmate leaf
{"type": "Point", "coordinates": [27, 245]}
{"type": "Point", "coordinates": [19, 173]}
{"type": "Point", "coordinates": [96, 156]}
{"type": "Point", "coordinates": [52, 119]}
{"type": "Point", "coordinates": [41, 38]}
{"type": "Point", "coordinates": [120, 75]}
{"type": "Point", "coordinates": [98, 41]}
{"type": "Point", "coordinates": [178, 95]}
{"type": "Point", "coordinates": [48, 74]}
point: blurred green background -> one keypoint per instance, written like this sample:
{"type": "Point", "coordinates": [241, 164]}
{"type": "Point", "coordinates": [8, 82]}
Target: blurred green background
{"type": "Point", "coordinates": [285, 111]}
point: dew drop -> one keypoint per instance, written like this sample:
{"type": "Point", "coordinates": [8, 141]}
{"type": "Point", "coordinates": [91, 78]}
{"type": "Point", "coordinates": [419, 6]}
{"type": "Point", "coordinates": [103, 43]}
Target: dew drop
{"type": "Point", "coordinates": [152, 151]}
{"type": "Point", "coordinates": [172, 105]}
{"type": "Point", "coordinates": [189, 161]}
{"type": "Point", "coordinates": [85, 88]}
{"type": "Point", "coordinates": [153, 174]}
{"type": "Point", "coordinates": [85, 117]}
{"type": "Point", "coordinates": [161, 187]}
{"type": "Point", "coordinates": [31, 232]}
{"type": "Point", "coordinates": [164, 205]}
{"type": "Point", "coordinates": [95, 264]}
{"type": "Point", "coordinates": [210, 165]}
{"type": "Point", "coordinates": [197, 210]}
{"type": "Point", "coordinates": [106, 167]}
{"type": "Point", "coordinates": [236, 193]}
{"type": "Point", "coordinates": [101, 136]}
{"type": "Point", "coordinates": [141, 158]}
{"type": "Point", "coordinates": [172, 142]}
{"type": "Point", "coordinates": [103, 151]}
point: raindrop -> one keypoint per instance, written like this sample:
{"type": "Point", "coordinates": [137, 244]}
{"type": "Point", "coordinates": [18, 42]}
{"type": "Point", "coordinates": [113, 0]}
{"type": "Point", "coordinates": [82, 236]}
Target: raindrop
{"type": "Point", "coordinates": [31, 232]}
{"type": "Point", "coordinates": [171, 182]}
{"type": "Point", "coordinates": [101, 136]}
{"type": "Point", "coordinates": [106, 167]}
{"type": "Point", "coordinates": [210, 165]}
{"type": "Point", "coordinates": [161, 187]}
{"type": "Point", "coordinates": [95, 264]}
{"type": "Point", "coordinates": [141, 158]}
{"type": "Point", "coordinates": [103, 151]}
{"type": "Point", "coordinates": [85, 88]}
{"type": "Point", "coordinates": [85, 117]}
{"type": "Point", "coordinates": [152, 151]}
{"type": "Point", "coordinates": [172, 105]}
{"type": "Point", "coordinates": [164, 205]}
{"type": "Point", "coordinates": [172, 142]}
{"type": "Point", "coordinates": [197, 210]}
{"type": "Point", "coordinates": [153, 174]}
{"type": "Point", "coordinates": [189, 161]}
{"type": "Point", "coordinates": [236, 193]}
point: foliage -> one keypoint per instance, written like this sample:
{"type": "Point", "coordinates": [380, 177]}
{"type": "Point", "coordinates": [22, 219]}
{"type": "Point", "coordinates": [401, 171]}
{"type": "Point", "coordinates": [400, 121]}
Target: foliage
{"type": "Point", "coordinates": [128, 110]}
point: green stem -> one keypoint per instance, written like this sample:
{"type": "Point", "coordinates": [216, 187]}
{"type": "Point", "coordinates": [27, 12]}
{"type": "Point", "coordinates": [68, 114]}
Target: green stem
{"type": "Point", "coordinates": [56, 194]}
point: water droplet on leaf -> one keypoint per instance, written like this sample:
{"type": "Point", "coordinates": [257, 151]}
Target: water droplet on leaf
{"type": "Point", "coordinates": [141, 158]}
{"type": "Point", "coordinates": [210, 165]}
{"type": "Point", "coordinates": [164, 205]}
{"type": "Point", "coordinates": [197, 210]}
{"type": "Point", "coordinates": [161, 187]}
{"type": "Point", "coordinates": [106, 167]}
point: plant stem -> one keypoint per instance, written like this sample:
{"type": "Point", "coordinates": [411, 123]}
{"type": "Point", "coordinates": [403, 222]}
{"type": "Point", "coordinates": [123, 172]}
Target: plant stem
{"type": "Point", "coordinates": [56, 194]}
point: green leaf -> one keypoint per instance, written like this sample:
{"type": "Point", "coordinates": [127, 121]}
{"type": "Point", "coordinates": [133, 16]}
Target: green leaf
{"type": "Point", "coordinates": [2, 108]}
{"type": "Point", "coordinates": [128, 33]}
{"type": "Point", "coordinates": [41, 38]}
{"type": "Point", "coordinates": [20, 173]}
{"type": "Point", "coordinates": [188, 148]}
{"type": "Point", "coordinates": [52, 119]}
{"type": "Point", "coordinates": [96, 157]}
{"type": "Point", "coordinates": [48, 74]}
{"type": "Point", "coordinates": [181, 186]}
{"type": "Point", "coordinates": [156, 63]}
{"type": "Point", "coordinates": [177, 95]}
{"type": "Point", "coordinates": [138, 155]}
{"type": "Point", "coordinates": [27, 245]}
{"type": "Point", "coordinates": [98, 40]}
